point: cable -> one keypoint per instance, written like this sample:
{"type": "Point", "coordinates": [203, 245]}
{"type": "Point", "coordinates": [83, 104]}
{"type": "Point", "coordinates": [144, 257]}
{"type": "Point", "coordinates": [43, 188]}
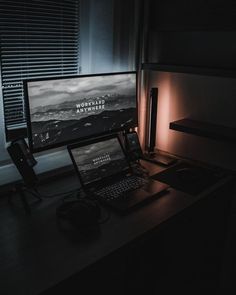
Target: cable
{"type": "Point", "coordinates": [34, 191]}
{"type": "Point", "coordinates": [73, 194]}
{"type": "Point", "coordinates": [140, 169]}
{"type": "Point", "coordinates": [106, 218]}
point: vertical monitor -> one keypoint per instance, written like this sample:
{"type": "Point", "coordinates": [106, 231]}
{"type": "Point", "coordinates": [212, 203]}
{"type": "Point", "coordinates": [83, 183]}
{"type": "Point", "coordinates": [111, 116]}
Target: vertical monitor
{"type": "Point", "coordinates": [64, 110]}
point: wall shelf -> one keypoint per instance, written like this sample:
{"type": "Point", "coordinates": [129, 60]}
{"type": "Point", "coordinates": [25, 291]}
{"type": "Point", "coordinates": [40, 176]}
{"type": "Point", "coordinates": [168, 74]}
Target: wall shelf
{"type": "Point", "coordinates": [209, 130]}
{"type": "Point", "coordinates": [221, 72]}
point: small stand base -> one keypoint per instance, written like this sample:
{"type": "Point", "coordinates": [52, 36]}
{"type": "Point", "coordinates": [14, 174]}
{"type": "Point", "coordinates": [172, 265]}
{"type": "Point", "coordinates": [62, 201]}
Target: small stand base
{"type": "Point", "coordinates": [21, 189]}
{"type": "Point", "coordinates": [159, 159]}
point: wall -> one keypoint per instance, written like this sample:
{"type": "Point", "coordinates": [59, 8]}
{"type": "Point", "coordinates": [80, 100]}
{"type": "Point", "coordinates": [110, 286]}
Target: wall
{"type": "Point", "coordinates": [200, 34]}
{"type": "Point", "coordinates": [96, 36]}
{"type": "Point", "coordinates": [211, 49]}
{"type": "Point", "coordinates": [193, 33]}
{"type": "Point", "coordinates": [210, 99]}
{"type": "Point", "coordinates": [192, 15]}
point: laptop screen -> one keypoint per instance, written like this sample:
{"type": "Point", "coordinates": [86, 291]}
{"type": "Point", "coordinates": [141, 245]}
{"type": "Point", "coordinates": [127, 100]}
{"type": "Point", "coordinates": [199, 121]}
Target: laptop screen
{"type": "Point", "coordinates": [99, 160]}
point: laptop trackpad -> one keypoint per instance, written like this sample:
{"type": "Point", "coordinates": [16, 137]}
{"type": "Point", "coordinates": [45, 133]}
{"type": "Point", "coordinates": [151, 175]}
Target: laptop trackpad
{"type": "Point", "coordinates": [131, 199]}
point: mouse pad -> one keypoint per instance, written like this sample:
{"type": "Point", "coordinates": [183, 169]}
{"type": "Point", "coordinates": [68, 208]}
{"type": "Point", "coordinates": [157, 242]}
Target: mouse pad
{"type": "Point", "coordinates": [188, 178]}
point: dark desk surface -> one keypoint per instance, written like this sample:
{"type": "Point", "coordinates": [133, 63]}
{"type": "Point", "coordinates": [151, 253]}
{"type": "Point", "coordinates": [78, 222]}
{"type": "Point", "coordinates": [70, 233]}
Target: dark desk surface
{"type": "Point", "coordinates": [33, 250]}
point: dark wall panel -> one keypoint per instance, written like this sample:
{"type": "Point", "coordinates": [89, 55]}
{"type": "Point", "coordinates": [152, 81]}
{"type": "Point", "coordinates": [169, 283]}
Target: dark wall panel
{"type": "Point", "coordinates": [194, 14]}
{"type": "Point", "coordinates": [215, 49]}
{"type": "Point", "coordinates": [193, 33]}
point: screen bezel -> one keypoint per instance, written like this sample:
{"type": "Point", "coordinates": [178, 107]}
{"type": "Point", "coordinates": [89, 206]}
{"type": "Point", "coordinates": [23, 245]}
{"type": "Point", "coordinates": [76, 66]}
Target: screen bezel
{"type": "Point", "coordinates": [67, 142]}
{"type": "Point", "coordinates": [91, 141]}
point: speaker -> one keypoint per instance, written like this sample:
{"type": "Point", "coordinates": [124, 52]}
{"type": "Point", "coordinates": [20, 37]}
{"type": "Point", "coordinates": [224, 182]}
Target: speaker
{"type": "Point", "coordinates": [153, 102]}
{"type": "Point", "coordinates": [23, 160]}
{"type": "Point", "coordinates": [133, 147]}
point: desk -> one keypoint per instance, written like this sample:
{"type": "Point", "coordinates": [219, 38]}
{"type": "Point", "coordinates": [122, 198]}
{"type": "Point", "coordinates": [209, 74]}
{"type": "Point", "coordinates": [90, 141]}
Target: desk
{"type": "Point", "coordinates": [35, 256]}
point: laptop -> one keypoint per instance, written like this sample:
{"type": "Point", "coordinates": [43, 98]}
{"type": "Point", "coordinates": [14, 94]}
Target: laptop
{"type": "Point", "coordinates": [104, 171]}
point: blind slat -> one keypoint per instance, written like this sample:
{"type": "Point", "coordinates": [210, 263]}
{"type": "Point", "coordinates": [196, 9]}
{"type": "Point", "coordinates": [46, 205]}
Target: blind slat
{"type": "Point", "coordinates": [32, 70]}
{"type": "Point", "coordinates": [39, 54]}
{"type": "Point", "coordinates": [37, 75]}
{"type": "Point", "coordinates": [33, 46]}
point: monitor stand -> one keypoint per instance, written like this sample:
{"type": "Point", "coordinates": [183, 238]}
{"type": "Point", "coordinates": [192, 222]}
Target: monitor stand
{"type": "Point", "coordinates": [159, 159]}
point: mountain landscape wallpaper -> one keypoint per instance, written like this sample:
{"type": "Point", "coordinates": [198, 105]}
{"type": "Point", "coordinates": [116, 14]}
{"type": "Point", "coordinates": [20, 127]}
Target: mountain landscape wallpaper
{"type": "Point", "coordinates": [99, 160]}
{"type": "Point", "coordinates": [63, 110]}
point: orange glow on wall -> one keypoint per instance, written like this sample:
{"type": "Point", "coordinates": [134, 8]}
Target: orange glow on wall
{"type": "Point", "coordinates": [142, 111]}
{"type": "Point", "coordinates": [162, 82]}
{"type": "Point", "coordinates": [142, 120]}
{"type": "Point", "coordinates": [163, 115]}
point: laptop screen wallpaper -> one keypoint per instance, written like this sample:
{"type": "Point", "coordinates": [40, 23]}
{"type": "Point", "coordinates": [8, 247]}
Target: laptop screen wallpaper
{"type": "Point", "coordinates": [99, 160]}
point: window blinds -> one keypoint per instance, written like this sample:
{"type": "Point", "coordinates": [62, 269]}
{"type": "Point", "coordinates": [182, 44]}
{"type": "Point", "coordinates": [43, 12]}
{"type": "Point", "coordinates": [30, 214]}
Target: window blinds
{"type": "Point", "coordinates": [39, 38]}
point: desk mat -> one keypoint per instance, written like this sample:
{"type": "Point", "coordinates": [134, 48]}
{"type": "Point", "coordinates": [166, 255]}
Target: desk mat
{"type": "Point", "coordinates": [188, 178]}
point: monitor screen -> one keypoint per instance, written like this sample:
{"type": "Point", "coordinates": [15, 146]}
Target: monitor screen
{"type": "Point", "coordinates": [65, 110]}
{"type": "Point", "coordinates": [98, 160]}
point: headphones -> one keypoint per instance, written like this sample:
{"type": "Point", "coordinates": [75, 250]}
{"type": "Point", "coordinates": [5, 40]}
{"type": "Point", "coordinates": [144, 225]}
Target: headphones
{"type": "Point", "coordinates": [83, 214]}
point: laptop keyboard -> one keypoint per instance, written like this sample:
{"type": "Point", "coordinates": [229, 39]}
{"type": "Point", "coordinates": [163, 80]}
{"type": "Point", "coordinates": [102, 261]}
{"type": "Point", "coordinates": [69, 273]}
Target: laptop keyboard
{"type": "Point", "coordinates": [116, 190]}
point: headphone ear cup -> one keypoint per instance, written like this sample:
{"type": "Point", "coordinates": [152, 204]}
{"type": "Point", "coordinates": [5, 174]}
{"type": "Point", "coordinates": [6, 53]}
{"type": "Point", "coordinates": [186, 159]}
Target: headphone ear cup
{"type": "Point", "coordinates": [81, 213]}
{"type": "Point", "coordinates": [94, 207]}
{"type": "Point", "coordinates": [62, 210]}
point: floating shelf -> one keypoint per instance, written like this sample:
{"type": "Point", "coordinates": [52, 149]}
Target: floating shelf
{"type": "Point", "coordinates": [212, 131]}
{"type": "Point", "coordinates": [221, 72]}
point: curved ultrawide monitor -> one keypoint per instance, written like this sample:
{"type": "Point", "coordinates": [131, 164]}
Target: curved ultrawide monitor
{"type": "Point", "coordinates": [69, 109]}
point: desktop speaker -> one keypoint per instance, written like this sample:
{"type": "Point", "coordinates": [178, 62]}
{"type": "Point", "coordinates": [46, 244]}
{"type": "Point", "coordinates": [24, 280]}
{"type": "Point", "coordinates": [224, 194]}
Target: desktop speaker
{"type": "Point", "coordinates": [133, 148]}
{"type": "Point", "coordinates": [23, 160]}
{"type": "Point", "coordinates": [152, 116]}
